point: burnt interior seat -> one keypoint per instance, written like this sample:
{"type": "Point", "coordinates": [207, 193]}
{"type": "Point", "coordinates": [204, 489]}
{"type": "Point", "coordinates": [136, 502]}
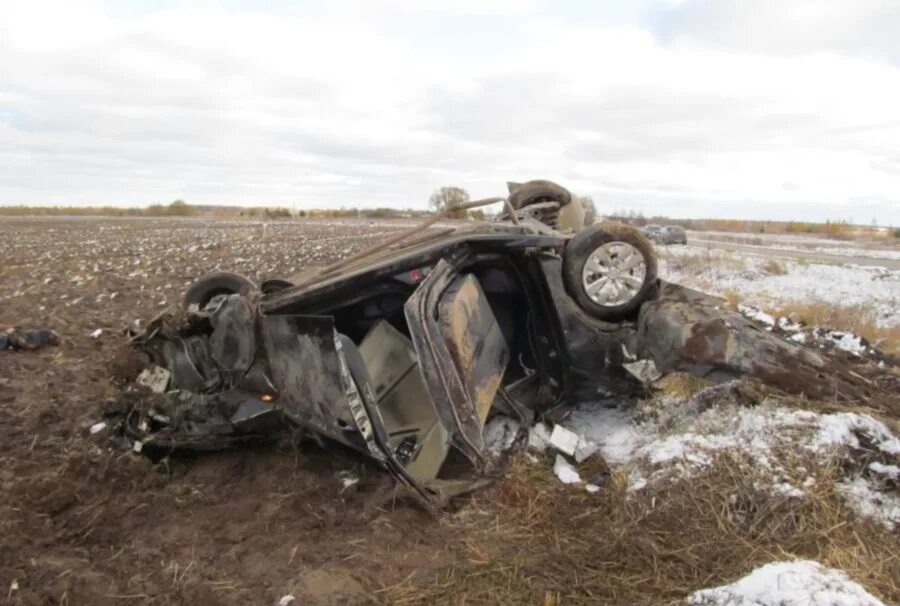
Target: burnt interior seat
{"type": "Point", "coordinates": [475, 341]}
{"type": "Point", "coordinates": [415, 433]}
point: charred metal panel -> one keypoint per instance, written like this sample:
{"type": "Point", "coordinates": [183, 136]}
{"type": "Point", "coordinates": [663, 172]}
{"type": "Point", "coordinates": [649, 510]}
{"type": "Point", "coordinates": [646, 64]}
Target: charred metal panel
{"type": "Point", "coordinates": [306, 369]}
{"type": "Point", "coordinates": [719, 344]}
{"type": "Point", "coordinates": [592, 349]}
{"type": "Point", "coordinates": [319, 292]}
{"type": "Point", "coordinates": [232, 343]}
{"type": "Point", "coordinates": [475, 341]}
{"type": "Point", "coordinates": [449, 394]}
{"type": "Point", "coordinates": [365, 423]}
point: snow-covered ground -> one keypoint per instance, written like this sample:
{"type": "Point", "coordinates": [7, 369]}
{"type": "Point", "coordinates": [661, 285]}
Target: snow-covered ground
{"type": "Point", "coordinates": [798, 583]}
{"type": "Point", "coordinates": [801, 243]}
{"type": "Point", "coordinates": [672, 439]}
{"type": "Point", "coordinates": [752, 278]}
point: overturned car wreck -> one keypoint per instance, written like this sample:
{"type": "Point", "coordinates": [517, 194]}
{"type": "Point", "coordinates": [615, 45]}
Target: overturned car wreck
{"type": "Point", "coordinates": [403, 353]}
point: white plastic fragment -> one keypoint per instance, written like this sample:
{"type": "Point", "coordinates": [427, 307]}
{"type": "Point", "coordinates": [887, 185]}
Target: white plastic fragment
{"type": "Point", "coordinates": [285, 600]}
{"type": "Point", "coordinates": [138, 446]}
{"type": "Point", "coordinates": [644, 371]}
{"type": "Point", "coordinates": [96, 334]}
{"type": "Point", "coordinates": [348, 479]}
{"type": "Point", "coordinates": [565, 472]}
{"type": "Point", "coordinates": [98, 427]}
{"type": "Point", "coordinates": [156, 379]}
{"type": "Point", "coordinates": [564, 440]}
{"type": "Point", "coordinates": [585, 449]}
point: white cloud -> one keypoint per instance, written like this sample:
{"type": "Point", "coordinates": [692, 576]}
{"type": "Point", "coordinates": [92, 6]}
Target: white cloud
{"type": "Point", "coordinates": [339, 106]}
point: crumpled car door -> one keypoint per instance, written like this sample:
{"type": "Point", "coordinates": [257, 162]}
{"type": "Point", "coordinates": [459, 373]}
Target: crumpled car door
{"type": "Point", "coordinates": [462, 353]}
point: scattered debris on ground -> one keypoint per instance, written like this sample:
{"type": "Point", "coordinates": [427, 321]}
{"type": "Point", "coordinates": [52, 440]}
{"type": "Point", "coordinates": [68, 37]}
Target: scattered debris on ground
{"type": "Point", "coordinates": [28, 339]}
{"type": "Point", "coordinates": [86, 524]}
{"type": "Point", "coordinates": [785, 449]}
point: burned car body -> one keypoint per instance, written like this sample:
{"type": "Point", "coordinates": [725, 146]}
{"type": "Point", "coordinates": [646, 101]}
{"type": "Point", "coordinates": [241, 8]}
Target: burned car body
{"type": "Point", "coordinates": [405, 352]}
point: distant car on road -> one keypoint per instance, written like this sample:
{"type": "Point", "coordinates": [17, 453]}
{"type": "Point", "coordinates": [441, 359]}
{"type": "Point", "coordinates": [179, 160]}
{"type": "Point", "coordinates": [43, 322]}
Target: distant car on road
{"type": "Point", "coordinates": [668, 234]}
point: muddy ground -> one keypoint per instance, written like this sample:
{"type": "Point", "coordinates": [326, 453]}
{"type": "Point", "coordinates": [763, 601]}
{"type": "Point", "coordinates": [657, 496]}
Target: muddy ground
{"type": "Point", "coordinates": [83, 523]}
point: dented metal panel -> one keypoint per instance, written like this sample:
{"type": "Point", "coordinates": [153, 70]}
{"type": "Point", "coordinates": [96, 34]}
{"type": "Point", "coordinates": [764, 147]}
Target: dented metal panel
{"type": "Point", "coordinates": [718, 344]}
{"type": "Point", "coordinates": [306, 369]}
{"type": "Point", "coordinates": [475, 342]}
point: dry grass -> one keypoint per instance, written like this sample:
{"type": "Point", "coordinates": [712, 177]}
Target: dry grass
{"type": "Point", "coordinates": [773, 268]}
{"type": "Point", "coordinates": [708, 263]}
{"type": "Point", "coordinates": [856, 319]}
{"type": "Point", "coordinates": [681, 385]}
{"type": "Point", "coordinates": [533, 540]}
{"type": "Point", "coordinates": [732, 298]}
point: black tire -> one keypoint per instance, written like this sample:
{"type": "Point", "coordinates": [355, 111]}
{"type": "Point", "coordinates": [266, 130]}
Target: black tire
{"type": "Point", "coordinates": [216, 283]}
{"type": "Point", "coordinates": [274, 285]}
{"type": "Point", "coordinates": [576, 254]}
{"type": "Point", "coordinates": [539, 190]}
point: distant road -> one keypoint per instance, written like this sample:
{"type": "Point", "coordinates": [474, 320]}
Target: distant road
{"type": "Point", "coordinates": [812, 255]}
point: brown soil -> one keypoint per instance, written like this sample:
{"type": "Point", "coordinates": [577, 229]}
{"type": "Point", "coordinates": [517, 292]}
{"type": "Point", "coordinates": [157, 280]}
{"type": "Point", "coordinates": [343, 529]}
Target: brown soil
{"type": "Point", "coordinates": [83, 522]}
{"type": "Point", "coordinates": [86, 523]}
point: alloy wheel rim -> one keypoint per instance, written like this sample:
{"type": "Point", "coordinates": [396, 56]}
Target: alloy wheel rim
{"type": "Point", "coordinates": [613, 274]}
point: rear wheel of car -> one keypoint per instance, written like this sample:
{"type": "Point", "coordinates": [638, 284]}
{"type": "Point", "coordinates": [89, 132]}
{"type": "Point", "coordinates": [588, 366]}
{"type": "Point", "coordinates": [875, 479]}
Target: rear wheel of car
{"type": "Point", "coordinates": [216, 283]}
{"type": "Point", "coordinates": [274, 285]}
{"type": "Point", "coordinates": [539, 190]}
{"type": "Point", "coordinates": [610, 270]}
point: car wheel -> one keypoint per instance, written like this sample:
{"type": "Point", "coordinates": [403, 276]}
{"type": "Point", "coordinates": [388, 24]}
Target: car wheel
{"type": "Point", "coordinates": [216, 283]}
{"type": "Point", "coordinates": [274, 285]}
{"type": "Point", "coordinates": [610, 270]}
{"type": "Point", "coordinates": [538, 190]}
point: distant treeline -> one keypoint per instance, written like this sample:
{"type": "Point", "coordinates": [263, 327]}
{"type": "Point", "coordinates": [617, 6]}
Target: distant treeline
{"type": "Point", "coordinates": [835, 229]}
{"type": "Point", "coordinates": [180, 208]}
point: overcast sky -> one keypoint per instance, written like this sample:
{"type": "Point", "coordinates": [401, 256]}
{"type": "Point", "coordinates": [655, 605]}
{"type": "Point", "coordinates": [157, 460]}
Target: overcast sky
{"type": "Point", "coordinates": [781, 109]}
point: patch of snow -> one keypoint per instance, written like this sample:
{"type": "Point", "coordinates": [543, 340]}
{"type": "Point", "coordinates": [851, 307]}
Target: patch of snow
{"type": "Point", "coordinates": [795, 242]}
{"type": "Point", "coordinates": [842, 340]}
{"type": "Point", "coordinates": [888, 471]}
{"type": "Point", "coordinates": [800, 337]}
{"type": "Point", "coordinates": [500, 433]}
{"type": "Point", "coordinates": [869, 502]}
{"type": "Point", "coordinates": [786, 489]}
{"type": "Point", "coordinates": [788, 325]}
{"type": "Point", "coordinates": [720, 272]}
{"type": "Point", "coordinates": [612, 429]}
{"type": "Point", "coordinates": [678, 443]}
{"type": "Point", "coordinates": [799, 583]}
{"type": "Point", "coordinates": [565, 472]}
{"type": "Point", "coordinates": [844, 428]}
{"type": "Point", "coordinates": [757, 314]}
{"type": "Point", "coordinates": [636, 483]}
{"type": "Point", "coordinates": [847, 342]}
{"type": "Point", "coordinates": [539, 437]}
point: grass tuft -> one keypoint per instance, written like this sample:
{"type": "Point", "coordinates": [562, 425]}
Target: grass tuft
{"type": "Point", "coordinates": [542, 542]}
